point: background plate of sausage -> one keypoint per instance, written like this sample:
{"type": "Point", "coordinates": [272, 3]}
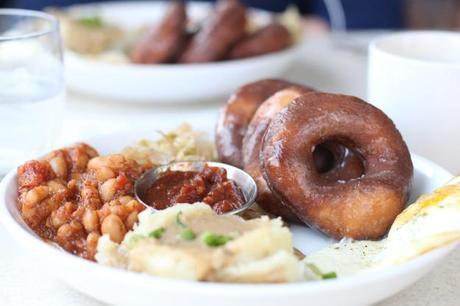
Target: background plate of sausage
{"type": "Point", "coordinates": [178, 82]}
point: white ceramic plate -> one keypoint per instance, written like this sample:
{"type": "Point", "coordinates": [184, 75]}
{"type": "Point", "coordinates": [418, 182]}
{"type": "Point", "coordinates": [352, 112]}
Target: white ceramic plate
{"type": "Point", "coordinates": [165, 82]}
{"type": "Point", "coordinates": [127, 288]}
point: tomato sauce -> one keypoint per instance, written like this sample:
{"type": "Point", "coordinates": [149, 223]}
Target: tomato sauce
{"type": "Point", "coordinates": [210, 185]}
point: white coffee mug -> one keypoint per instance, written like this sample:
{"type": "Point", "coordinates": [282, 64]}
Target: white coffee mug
{"type": "Point", "coordinates": [414, 77]}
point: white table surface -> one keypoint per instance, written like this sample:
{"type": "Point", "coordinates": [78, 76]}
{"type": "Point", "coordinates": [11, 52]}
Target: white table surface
{"type": "Point", "coordinates": [24, 282]}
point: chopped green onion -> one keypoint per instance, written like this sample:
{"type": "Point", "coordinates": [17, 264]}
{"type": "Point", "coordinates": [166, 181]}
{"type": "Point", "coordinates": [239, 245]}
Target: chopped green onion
{"type": "Point", "coordinates": [215, 240]}
{"type": "Point", "coordinates": [134, 239]}
{"type": "Point", "coordinates": [91, 22]}
{"type": "Point", "coordinates": [157, 233]}
{"type": "Point", "coordinates": [178, 220]}
{"type": "Point", "coordinates": [187, 234]}
{"type": "Point", "coordinates": [329, 275]}
{"type": "Point", "coordinates": [317, 271]}
{"type": "Point", "coordinates": [314, 269]}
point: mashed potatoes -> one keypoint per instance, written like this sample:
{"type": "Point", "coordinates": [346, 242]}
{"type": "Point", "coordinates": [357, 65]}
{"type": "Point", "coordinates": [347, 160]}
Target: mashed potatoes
{"type": "Point", "coordinates": [192, 242]}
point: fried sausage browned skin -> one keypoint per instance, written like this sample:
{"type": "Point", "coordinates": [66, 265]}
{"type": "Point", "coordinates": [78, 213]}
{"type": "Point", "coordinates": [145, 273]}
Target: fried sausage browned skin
{"type": "Point", "coordinates": [361, 208]}
{"type": "Point", "coordinates": [162, 43]}
{"type": "Point", "coordinates": [271, 38]}
{"type": "Point", "coordinates": [236, 115]}
{"type": "Point", "coordinates": [225, 27]}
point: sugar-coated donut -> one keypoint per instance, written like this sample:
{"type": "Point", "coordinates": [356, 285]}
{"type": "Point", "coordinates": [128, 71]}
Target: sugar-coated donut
{"type": "Point", "coordinates": [358, 208]}
{"type": "Point", "coordinates": [252, 142]}
{"type": "Point", "coordinates": [236, 115]}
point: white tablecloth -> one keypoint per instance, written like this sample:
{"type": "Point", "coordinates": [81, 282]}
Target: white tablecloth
{"type": "Point", "coordinates": [323, 66]}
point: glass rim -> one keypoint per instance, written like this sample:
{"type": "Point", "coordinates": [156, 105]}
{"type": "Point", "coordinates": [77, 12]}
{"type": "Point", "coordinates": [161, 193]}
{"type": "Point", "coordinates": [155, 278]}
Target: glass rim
{"type": "Point", "coordinates": [54, 23]}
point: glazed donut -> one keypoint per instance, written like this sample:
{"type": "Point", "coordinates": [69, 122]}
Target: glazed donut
{"type": "Point", "coordinates": [251, 148]}
{"type": "Point", "coordinates": [360, 208]}
{"type": "Point", "coordinates": [331, 159]}
{"type": "Point", "coordinates": [226, 26]}
{"type": "Point", "coordinates": [271, 38]}
{"type": "Point", "coordinates": [163, 42]}
{"type": "Point", "coordinates": [236, 115]}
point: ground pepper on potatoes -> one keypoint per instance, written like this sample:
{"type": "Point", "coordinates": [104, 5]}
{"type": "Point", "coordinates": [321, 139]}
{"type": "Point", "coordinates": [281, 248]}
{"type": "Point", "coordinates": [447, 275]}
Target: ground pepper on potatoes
{"type": "Point", "coordinates": [73, 196]}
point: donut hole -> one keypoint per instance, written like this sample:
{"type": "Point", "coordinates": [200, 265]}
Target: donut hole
{"type": "Point", "coordinates": [335, 161]}
{"type": "Point", "coordinates": [324, 159]}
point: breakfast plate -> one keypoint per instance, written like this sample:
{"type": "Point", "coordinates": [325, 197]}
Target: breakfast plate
{"type": "Point", "coordinates": [120, 287]}
{"type": "Point", "coordinates": [302, 196]}
{"type": "Point", "coordinates": [164, 83]}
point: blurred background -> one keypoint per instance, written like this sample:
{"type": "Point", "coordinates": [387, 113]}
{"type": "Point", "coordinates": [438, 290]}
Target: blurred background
{"type": "Point", "coordinates": [350, 14]}
{"type": "Point", "coordinates": [328, 62]}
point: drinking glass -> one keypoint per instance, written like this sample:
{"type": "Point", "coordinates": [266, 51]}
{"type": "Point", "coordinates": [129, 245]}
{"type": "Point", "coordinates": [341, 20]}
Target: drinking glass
{"type": "Point", "coordinates": [31, 84]}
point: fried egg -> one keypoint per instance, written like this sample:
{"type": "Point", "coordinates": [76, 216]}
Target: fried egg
{"type": "Point", "coordinates": [431, 222]}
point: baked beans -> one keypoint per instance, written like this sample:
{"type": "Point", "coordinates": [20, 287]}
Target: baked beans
{"type": "Point", "coordinates": [73, 196]}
